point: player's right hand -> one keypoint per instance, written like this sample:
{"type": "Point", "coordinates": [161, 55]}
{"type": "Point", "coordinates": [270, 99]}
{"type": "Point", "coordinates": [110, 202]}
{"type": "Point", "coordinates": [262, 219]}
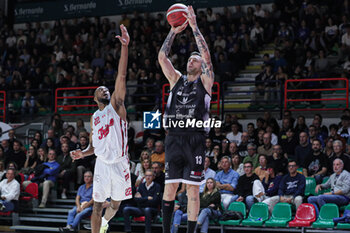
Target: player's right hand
{"type": "Point", "coordinates": [180, 28]}
{"type": "Point", "coordinates": [76, 154]}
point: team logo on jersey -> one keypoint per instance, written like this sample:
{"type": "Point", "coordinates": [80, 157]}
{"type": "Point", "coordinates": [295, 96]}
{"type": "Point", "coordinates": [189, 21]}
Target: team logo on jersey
{"type": "Point", "coordinates": [97, 121]}
{"type": "Point", "coordinates": [151, 120]}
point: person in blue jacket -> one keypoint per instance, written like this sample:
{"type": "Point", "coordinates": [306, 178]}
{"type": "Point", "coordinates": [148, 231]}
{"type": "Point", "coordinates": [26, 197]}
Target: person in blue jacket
{"type": "Point", "coordinates": [148, 198]}
{"type": "Point", "coordinates": [291, 188]}
{"type": "Point", "coordinates": [49, 175]}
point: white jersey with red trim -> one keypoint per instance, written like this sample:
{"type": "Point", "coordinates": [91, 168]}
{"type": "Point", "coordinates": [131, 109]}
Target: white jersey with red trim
{"type": "Point", "coordinates": [109, 135]}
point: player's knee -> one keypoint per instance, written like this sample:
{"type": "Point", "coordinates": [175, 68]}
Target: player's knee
{"type": "Point", "coordinates": [115, 205]}
{"type": "Point", "coordinates": [97, 209]}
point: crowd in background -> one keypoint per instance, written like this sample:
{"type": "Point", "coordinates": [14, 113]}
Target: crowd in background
{"type": "Point", "coordinates": [84, 52]}
{"type": "Point", "coordinates": [253, 165]}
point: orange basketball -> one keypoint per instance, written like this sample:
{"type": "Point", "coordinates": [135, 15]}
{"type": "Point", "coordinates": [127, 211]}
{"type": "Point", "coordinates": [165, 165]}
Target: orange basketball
{"type": "Point", "coordinates": [175, 14]}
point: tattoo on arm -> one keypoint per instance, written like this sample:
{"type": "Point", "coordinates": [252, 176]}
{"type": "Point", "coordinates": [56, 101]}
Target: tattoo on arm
{"type": "Point", "coordinates": [207, 67]}
{"type": "Point", "coordinates": [167, 43]}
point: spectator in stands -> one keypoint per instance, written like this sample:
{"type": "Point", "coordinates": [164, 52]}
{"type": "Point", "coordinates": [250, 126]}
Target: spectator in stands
{"type": "Point", "coordinates": [83, 205]}
{"type": "Point", "coordinates": [345, 43]}
{"type": "Point", "coordinates": [339, 185]}
{"type": "Point", "coordinates": [333, 134]}
{"type": "Point", "coordinates": [159, 174]}
{"type": "Point", "coordinates": [252, 155]}
{"type": "Point", "coordinates": [144, 155]}
{"type": "Point", "coordinates": [261, 170]}
{"type": "Point", "coordinates": [289, 143]}
{"type": "Point", "coordinates": [208, 173]}
{"type": "Point", "coordinates": [9, 191]}
{"type": "Point", "coordinates": [291, 188]}
{"type": "Point", "coordinates": [338, 153]}
{"type": "Point", "coordinates": [66, 169]}
{"type": "Point", "coordinates": [234, 135]}
{"type": "Point", "coordinates": [208, 150]}
{"type": "Point", "coordinates": [315, 164]}
{"type": "Point", "coordinates": [279, 160]}
{"type": "Point", "coordinates": [242, 149]}
{"type": "Point", "coordinates": [48, 177]}
{"type": "Point", "coordinates": [28, 104]}
{"type": "Point", "coordinates": [146, 164]}
{"type": "Point", "coordinates": [16, 155]}
{"type": "Point", "coordinates": [150, 145]}
{"type": "Point", "coordinates": [303, 149]}
{"type": "Point", "coordinates": [266, 148]}
{"type": "Point", "coordinates": [84, 164]}
{"type": "Point", "coordinates": [237, 164]}
{"type": "Point", "coordinates": [270, 185]}
{"type": "Point", "coordinates": [210, 205]}
{"type": "Point", "coordinates": [159, 154]}
{"type": "Point", "coordinates": [300, 126]}
{"type": "Point", "coordinates": [225, 147]}
{"type": "Point", "coordinates": [344, 131]}
{"type": "Point", "coordinates": [148, 198]}
{"type": "Point", "coordinates": [226, 181]}
{"type": "Point", "coordinates": [244, 188]}
{"type": "Point", "coordinates": [314, 134]}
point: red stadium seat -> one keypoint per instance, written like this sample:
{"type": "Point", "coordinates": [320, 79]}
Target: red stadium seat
{"type": "Point", "coordinates": [139, 219]}
{"type": "Point", "coordinates": [8, 213]}
{"type": "Point", "coordinates": [304, 217]}
{"type": "Point", "coordinates": [33, 190]}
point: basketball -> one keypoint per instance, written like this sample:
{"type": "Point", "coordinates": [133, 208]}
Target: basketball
{"type": "Point", "coordinates": [175, 14]}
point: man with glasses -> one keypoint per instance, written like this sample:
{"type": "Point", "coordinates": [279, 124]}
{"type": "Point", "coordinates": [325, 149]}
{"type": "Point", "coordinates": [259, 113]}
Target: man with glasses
{"type": "Point", "coordinates": [83, 202]}
{"type": "Point", "coordinates": [148, 198]}
{"type": "Point", "coordinates": [244, 190]}
{"type": "Point", "coordinates": [291, 188]}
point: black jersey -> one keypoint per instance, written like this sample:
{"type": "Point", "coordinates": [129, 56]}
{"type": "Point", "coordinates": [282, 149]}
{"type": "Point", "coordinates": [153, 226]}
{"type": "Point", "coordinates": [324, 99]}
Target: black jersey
{"type": "Point", "coordinates": [188, 107]}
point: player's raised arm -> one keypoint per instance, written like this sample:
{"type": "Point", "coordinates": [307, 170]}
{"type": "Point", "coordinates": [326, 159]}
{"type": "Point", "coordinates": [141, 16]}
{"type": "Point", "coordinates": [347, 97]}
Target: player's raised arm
{"type": "Point", "coordinates": [118, 95]}
{"type": "Point", "coordinates": [202, 47]}
{"type": "Point", "coordinates": [167, 67]}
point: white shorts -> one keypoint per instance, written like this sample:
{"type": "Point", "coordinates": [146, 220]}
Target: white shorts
{"type": "Point", "coordinates": [112, 180]}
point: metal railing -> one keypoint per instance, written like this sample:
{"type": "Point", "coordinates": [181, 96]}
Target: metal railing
{"type": "Point", "coordinates": [312, 91]}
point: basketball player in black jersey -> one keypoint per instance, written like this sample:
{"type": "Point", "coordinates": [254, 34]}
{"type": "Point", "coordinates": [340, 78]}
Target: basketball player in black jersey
{"type": "Point", "coordinates": [189, 99]}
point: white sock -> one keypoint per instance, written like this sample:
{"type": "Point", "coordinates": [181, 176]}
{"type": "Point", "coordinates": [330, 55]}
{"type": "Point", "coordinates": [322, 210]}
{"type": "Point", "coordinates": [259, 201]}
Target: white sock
{"type": "Point", "coordinates": [104, 222]}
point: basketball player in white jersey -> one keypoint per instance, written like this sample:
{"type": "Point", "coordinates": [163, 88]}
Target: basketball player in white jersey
{"type": "Point", "coordinates": [109, 143]}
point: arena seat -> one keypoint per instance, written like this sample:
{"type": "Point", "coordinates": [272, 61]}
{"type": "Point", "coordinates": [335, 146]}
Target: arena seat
{"type": "Point", "coordinates": [235, 206]}
{"type": "Point", "coordinates": [327, 213]}
{"type": "Point", "coordinates": [258, 214]}
{"type": "Point", "coordinates": [310, 186]}
{"type": "Point", "coordinates": [281, 215]}
{"type": "Point", "coordinates": [304, 216]}
{"type": "Point", "coordinates": [31, 189]}
{"type": "Point", "coordinates": [344, 225]}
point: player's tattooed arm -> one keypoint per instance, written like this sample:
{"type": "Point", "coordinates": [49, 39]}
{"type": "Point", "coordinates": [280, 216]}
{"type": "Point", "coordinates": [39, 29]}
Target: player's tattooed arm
{"type": "Point", "coordinates": [207, 67]}
{"type": "Point", "coordinates": [167, 43]}
{"type": "Point", "coordinates": [167, 67]}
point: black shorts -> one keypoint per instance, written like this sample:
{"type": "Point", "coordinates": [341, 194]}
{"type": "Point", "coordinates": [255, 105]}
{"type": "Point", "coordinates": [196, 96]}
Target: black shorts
{"type": "Point", "coordinates": [184, 158]}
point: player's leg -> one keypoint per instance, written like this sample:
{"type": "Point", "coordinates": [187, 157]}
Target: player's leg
{"type": "Point", "coordinates": [168, 205]}
{"type": "Point", "coordinates": [192, 206]}
{"type": "Point", "coordinates": [110, 212]}
{"type": "Point", "coordinates": [96, 217]}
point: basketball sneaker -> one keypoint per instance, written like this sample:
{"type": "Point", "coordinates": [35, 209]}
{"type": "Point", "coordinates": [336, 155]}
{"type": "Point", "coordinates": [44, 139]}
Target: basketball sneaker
{"type": "Point", "coordinates": [104, 229]}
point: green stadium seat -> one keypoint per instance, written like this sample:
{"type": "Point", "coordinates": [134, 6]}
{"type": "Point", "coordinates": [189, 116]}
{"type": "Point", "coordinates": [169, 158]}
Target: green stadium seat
{"type": "Point", "coordinates": [235, 206]}
{"type": "Point", "coordinates": [327, 213]}
{"type": "Point", "coordinates": [270, 106]}
{"type": "Point", "coordinates": [281, 215]}
{"type": "Point", "coordinates": [254, 107]}
{"type": "Point", "coordinates": [310, 186]}
{"type": "Point", "coordinates": [258, 214]}
{"type": "Point", "coordinates": [344, 225]}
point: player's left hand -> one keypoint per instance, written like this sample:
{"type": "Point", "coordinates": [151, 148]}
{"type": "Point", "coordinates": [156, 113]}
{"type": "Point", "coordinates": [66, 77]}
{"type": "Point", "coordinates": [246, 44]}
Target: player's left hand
{"type": "Point", "coordinates": [191, 17]}
{"type": "Point", "coordinates": [76, 154]}
{"type": "Point", "coordinates": [124, 38]}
